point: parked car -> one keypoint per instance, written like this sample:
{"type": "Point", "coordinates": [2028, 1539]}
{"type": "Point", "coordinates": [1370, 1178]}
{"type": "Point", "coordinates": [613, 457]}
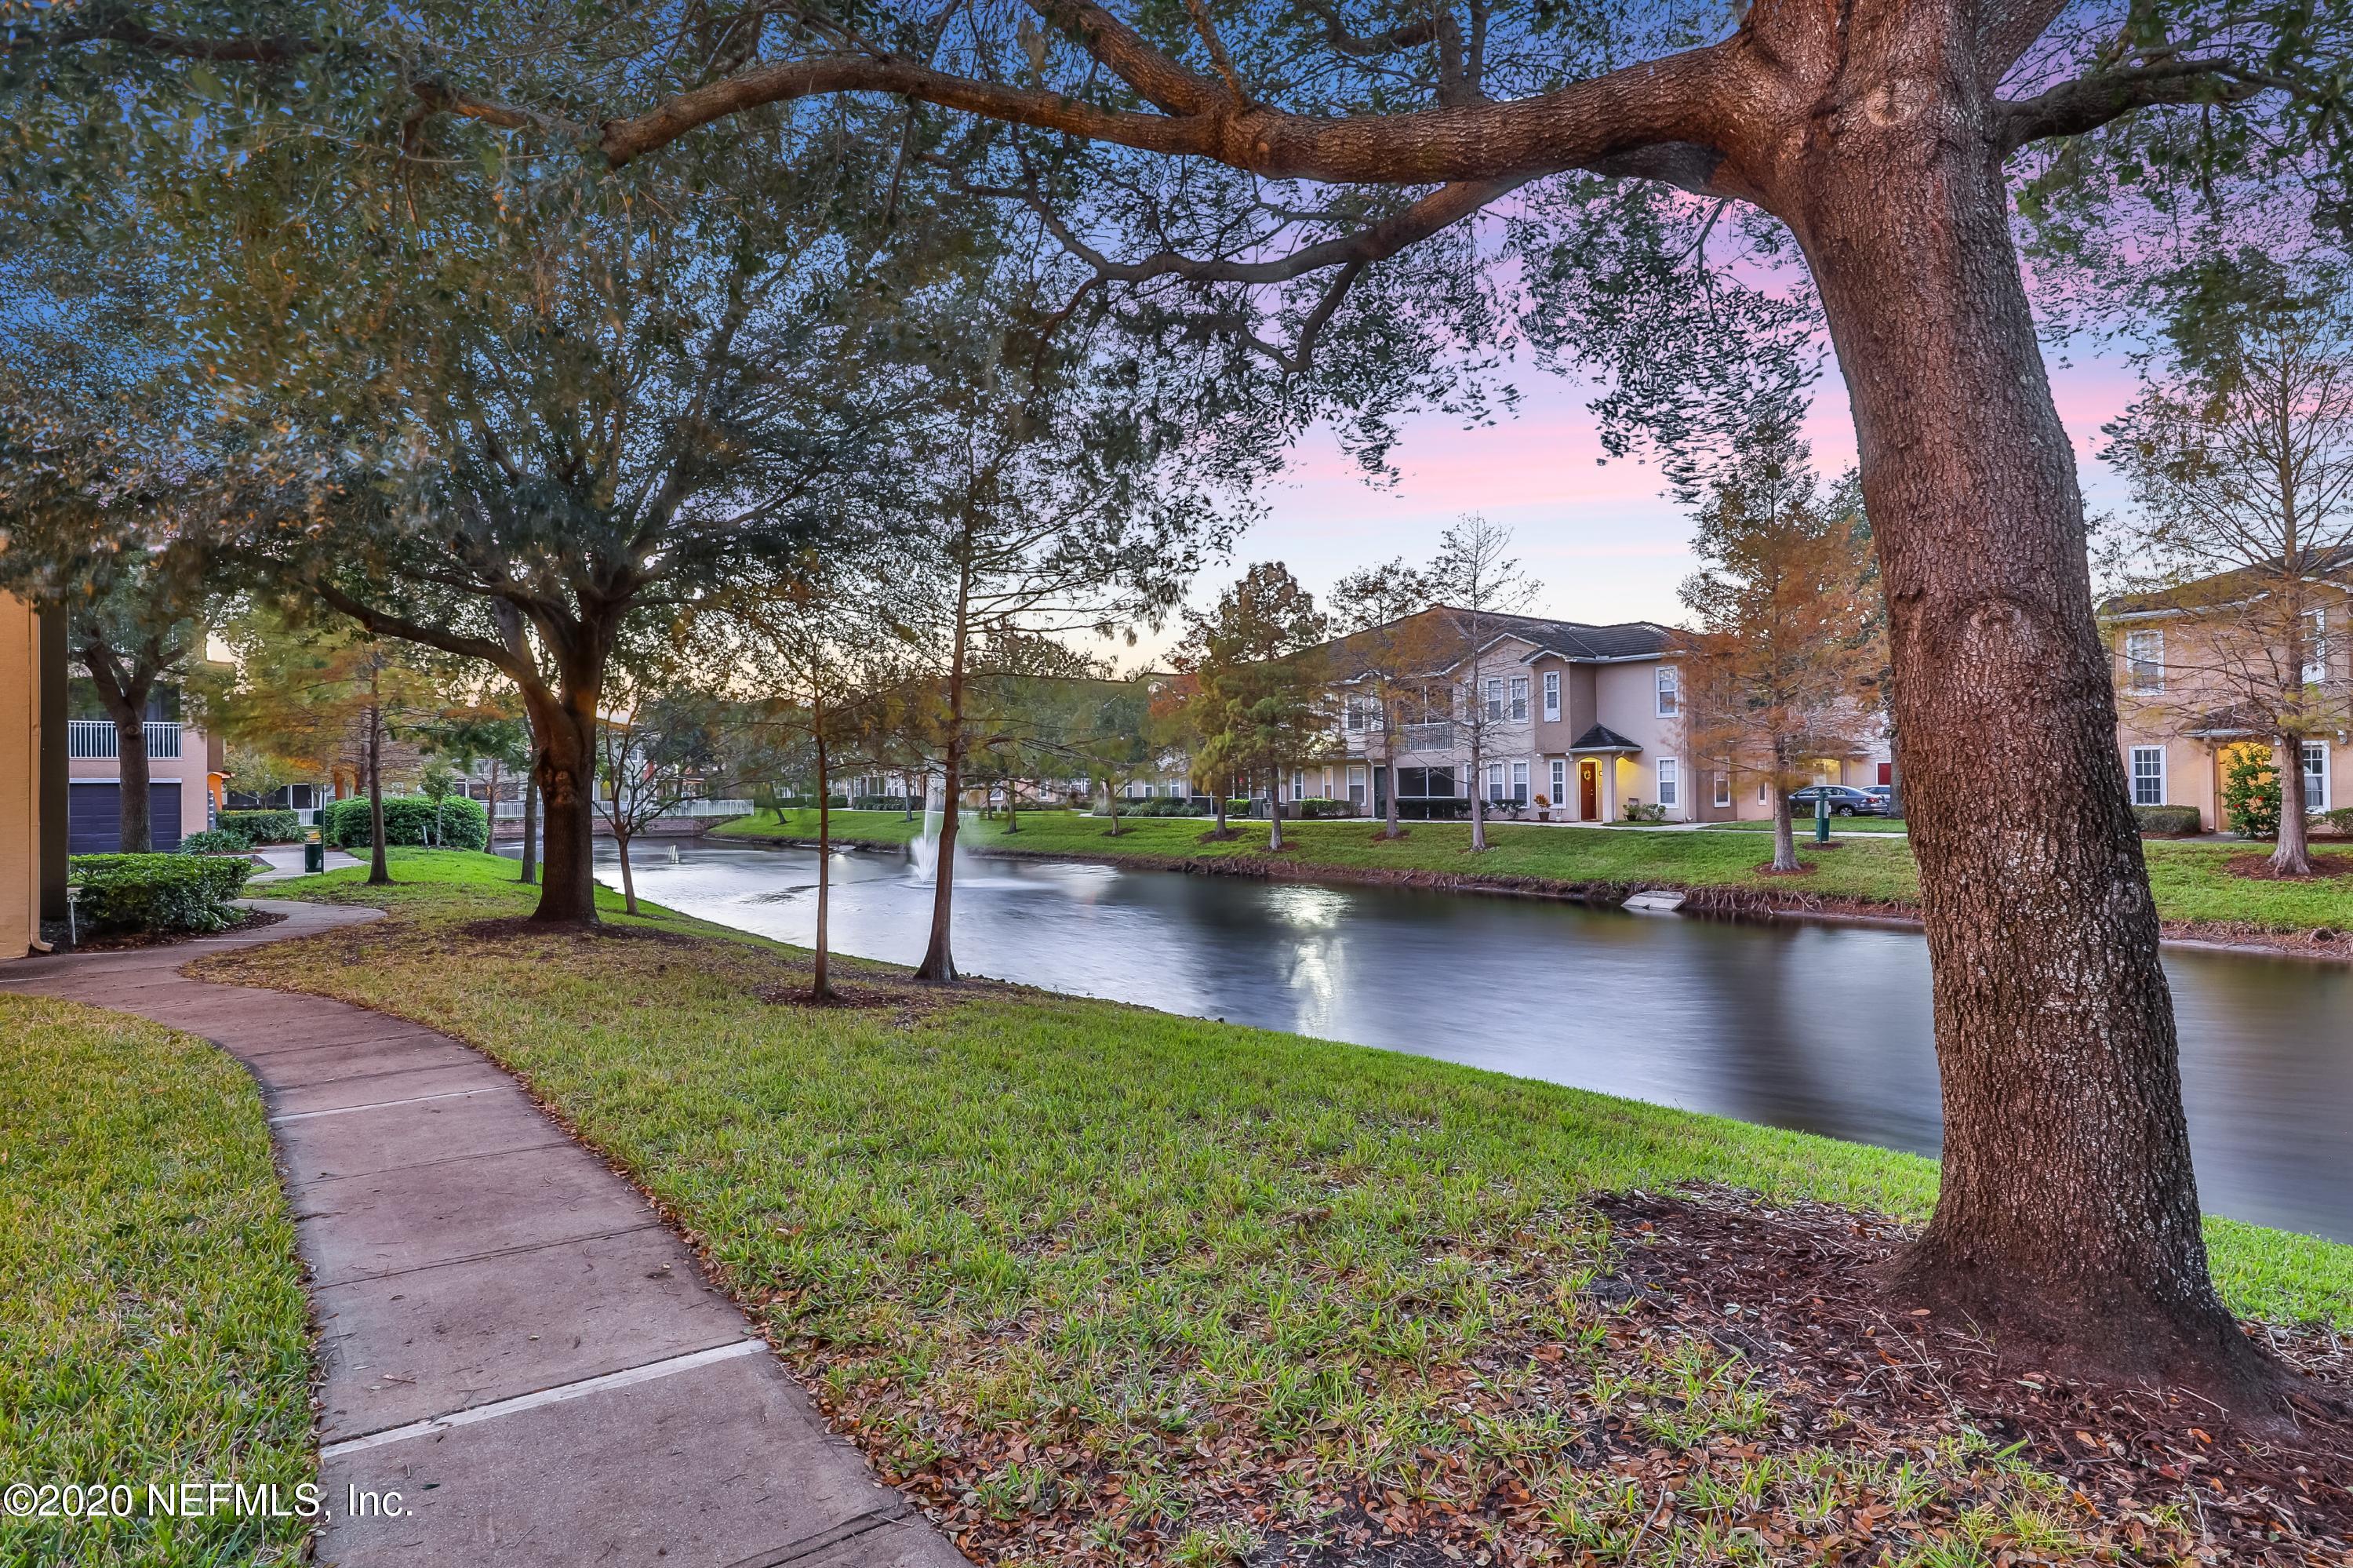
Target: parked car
{"type": "Point", "coordinates": [1844, 801]}
{"type": "Point", "coordinates": [1883, 793]}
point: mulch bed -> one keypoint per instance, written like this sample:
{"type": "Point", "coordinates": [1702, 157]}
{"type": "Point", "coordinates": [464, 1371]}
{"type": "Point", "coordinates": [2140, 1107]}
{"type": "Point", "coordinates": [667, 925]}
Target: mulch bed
{"type": "Point", "coordinates": [122, 942]}
{"type": "Point", "coordinates": [2142, 1477]}
{"type": "Point", "coordinates": [1791, 1290]}
{"type": "Point", "coordinates": [2258, 868]}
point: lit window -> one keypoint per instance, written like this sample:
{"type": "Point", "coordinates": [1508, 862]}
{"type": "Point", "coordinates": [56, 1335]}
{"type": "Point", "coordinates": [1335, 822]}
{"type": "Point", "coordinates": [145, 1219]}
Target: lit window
{"type": "Point", "coordinates": [1552, 693]}
{"type": "Point", "coordinates": [2149, 776]}
{"type": "Point", "coordinates": [2145, 661]}
{"type": "Point", "coordinates": [1519, 697]}
{"type": "Point", "coordinates": [1669, 698]}
{"type": "Point", "coordinates": [2316, 776]}
{"type": "Point", "coordinates": [1666, 781]}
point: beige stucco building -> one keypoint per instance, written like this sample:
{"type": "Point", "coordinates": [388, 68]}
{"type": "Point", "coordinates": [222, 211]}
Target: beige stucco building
{"type": "Point", "coordinates": [2177, 722]}
{"type": "Point", "coordinates": [32, 825]}
{"type": "Point", "coordinates": [1580, 722]}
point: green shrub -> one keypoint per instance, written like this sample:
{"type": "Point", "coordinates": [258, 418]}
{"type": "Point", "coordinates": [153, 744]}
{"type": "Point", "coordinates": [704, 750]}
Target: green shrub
{"type": "Point", "coordinates": [2339, 820]}
{"type": "Point", "coordinates": [271, 827]}
{"type": "Point", "coordinates": [411, 819]}
{"type": "Point", "coordinates": [217, 841]}
{"type": "Point", "coordinates": [2166, 821]}
{"type": "Point", "coordinates": [1315, 809]}
{"type": "Point", "coordinates": [160, 893]}
{"type": "Point", "coordinates": [1637, 811]}
{"type": "Point", "coordinates": [2251, 794]}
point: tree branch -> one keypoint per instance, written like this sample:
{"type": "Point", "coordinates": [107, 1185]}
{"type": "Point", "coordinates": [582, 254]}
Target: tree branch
{"type": "Point", "coordinates": [385, 625]}
{"type": "Point", "coordinates": [105, 25]}
{"type": "Point", "coordinates": [1675, 100]}
{"type": "Point", "coordinates": [2088, 102]}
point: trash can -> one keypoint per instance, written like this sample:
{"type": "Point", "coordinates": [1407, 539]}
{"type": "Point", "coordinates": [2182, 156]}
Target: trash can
{"type": "Point", "coordinates": [314, 853]}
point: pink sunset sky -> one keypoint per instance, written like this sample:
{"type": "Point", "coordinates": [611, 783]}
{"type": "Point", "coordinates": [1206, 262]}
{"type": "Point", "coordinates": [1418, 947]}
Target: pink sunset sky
{"type": "Point", "coordinates": [1603, 541]}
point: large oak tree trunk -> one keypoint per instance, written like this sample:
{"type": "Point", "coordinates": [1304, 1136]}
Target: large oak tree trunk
{"type": "Point", "coordinates": [2068, 1218]}
{"type": "Point", "coordinates": [529, 872]}
{"type": "Point", "coordinates": [566, 769]}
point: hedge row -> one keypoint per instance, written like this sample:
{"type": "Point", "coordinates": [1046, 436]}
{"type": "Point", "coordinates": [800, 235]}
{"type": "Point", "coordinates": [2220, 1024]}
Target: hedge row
{"type": "Point", "coordinates": [277, 826]}
{"type": "Point", "coordinates": [452, 822]}
{"type": "Point", "coordinates": [2166, 821]}
{"type": "Point", "coordinates": [162, 893]}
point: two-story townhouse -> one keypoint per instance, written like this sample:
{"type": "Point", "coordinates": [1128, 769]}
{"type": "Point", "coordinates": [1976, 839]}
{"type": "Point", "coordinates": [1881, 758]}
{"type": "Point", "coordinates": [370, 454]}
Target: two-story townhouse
{"type": "Point", "coordinates": [2185, 673]}
{"type": "Point", "coordinates": [1588, 719]}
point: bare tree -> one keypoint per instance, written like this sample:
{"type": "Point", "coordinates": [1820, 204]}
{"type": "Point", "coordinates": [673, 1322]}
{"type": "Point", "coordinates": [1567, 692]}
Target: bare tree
{"type": "Point", "coordinates": [1388, 651]}
{"type": "Point", "coordinates": [2241, 464]}
{"type": "Point", "coordinates": [653, 754]}
{"type": "Point", "coordinates": [1477, 584]}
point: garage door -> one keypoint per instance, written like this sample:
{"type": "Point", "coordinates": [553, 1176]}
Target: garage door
{"type": "Point", "coordinates": [94, 817]}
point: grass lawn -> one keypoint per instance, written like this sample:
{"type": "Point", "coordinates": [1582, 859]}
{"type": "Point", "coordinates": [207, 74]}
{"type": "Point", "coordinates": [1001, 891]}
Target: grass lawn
{"type": "Point", "coordinates": [1804, 824]}
{"type": "Point", "coordinates": [152, 1325]}
{"type": "Point", "coordinates": [1101, 1283]}
{"type": "Point", "coordinates": [2191, 880]}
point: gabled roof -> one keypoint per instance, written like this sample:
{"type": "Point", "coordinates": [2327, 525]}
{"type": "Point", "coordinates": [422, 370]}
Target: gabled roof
{"type": "Point", "coordinates": [1600, 737]}
{"type": "Point", "coordinates": [2238, 585]}
{"type": "Point", "coordinates": [1574, 641]}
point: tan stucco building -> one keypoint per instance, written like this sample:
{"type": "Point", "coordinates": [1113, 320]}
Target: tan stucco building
{"type": "Point", "coordinates": [32, 808]}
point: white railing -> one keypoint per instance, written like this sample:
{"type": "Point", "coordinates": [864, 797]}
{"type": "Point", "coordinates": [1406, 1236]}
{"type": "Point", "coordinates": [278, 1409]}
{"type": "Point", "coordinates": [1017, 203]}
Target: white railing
{"type": "Point", "coordinates": [95, 739]}
{"type": "Point", "coordinates": [1436, 736]}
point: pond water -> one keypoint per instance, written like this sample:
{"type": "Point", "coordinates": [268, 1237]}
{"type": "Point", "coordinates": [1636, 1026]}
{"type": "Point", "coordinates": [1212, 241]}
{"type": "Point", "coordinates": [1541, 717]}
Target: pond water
{"type": "Point", "coordinates": [1818, 1027]}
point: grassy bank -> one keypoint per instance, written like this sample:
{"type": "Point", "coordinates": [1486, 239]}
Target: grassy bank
{"type": "Point", "coordinates": [152, 1318]}
{"type": "Point", "coordinates": [2194, 885]}
{"type": "Point", "coordinates": [1101, 1283]}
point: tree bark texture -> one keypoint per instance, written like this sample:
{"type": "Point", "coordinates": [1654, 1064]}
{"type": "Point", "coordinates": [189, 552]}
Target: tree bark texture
{"type": "Point", "coordinates": [565, 768]}
{"type": "Point", "coordinates": [1274, 812]}
{"type": "Point", "coordinates": [629, 881]}
{"type": "Point", "coordinates": [2068, 1218]}
{"type": "Point", "coordinates": [379, 872]}
{"type": "Point", "coordinates": [1785, 836]}
{"type": "Point", "coordinates": [2292, 857]}
{"type": "Point", "coordinates": [939, 954]}
{"type": "Point", "coordinates": [124, 692]}
{"type": "Point", "coordinates": [820, 984]}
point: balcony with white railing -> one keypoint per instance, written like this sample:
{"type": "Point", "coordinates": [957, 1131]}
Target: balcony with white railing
{"type": "Point", "coordinates": [95, 740]}
{"type": "Point", "coordinates": [1438, 736]}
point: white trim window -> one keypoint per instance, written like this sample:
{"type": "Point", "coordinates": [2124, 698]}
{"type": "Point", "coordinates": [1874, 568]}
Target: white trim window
{"type": "Point", "coordinates": [1723, 788]}
{"type": "Point", "coordinates": [1668, 796]}
{"type": "Point", "coordinates": [1495, 700]}
{"type": "Point", "coordinates": [2149, 776]}
{"type": "Point", "coordinates": [1498, 791]}
{"type": "Point", "coordinates": [1298, 784]}
{"type": "Point", "coordinates": [1519, 783]}
{"type": "Point", "coordinates": [1519, 698]}
{"type": "Point", "coordinates": [2316, 647]}
{"type": "Point", "coordinates": [2145, 661]}
{"type": "Point", "coordinates": [1670, 695]}
{"type": "Point", "coordinates": [1765, 794]}
{"type": "Point", "coordinates": [1560, 781]}
{"type": "Point", "coordinates": [2316, 776]}
{"type": "Point", "coordinates": [1552, 693]}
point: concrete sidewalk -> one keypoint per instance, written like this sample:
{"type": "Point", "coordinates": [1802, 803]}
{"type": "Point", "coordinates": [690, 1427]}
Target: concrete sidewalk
{"type": "Point", "coordinates": [509, 1337]}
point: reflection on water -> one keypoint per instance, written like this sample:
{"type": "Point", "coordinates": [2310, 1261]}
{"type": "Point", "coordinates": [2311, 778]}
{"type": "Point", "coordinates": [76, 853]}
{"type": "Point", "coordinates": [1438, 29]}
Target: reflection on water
{"type": "Point", "coordinates": [1823, 1028]}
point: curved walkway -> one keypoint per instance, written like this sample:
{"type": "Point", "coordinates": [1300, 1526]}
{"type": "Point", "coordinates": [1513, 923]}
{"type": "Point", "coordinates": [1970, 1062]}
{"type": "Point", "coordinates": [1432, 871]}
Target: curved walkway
{"type": "Point", "coordinates": [509, 1337]}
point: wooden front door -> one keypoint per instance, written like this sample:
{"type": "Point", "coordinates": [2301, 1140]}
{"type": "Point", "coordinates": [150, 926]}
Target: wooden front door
{"type": "Point", "coordinates": [1589, 791]}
